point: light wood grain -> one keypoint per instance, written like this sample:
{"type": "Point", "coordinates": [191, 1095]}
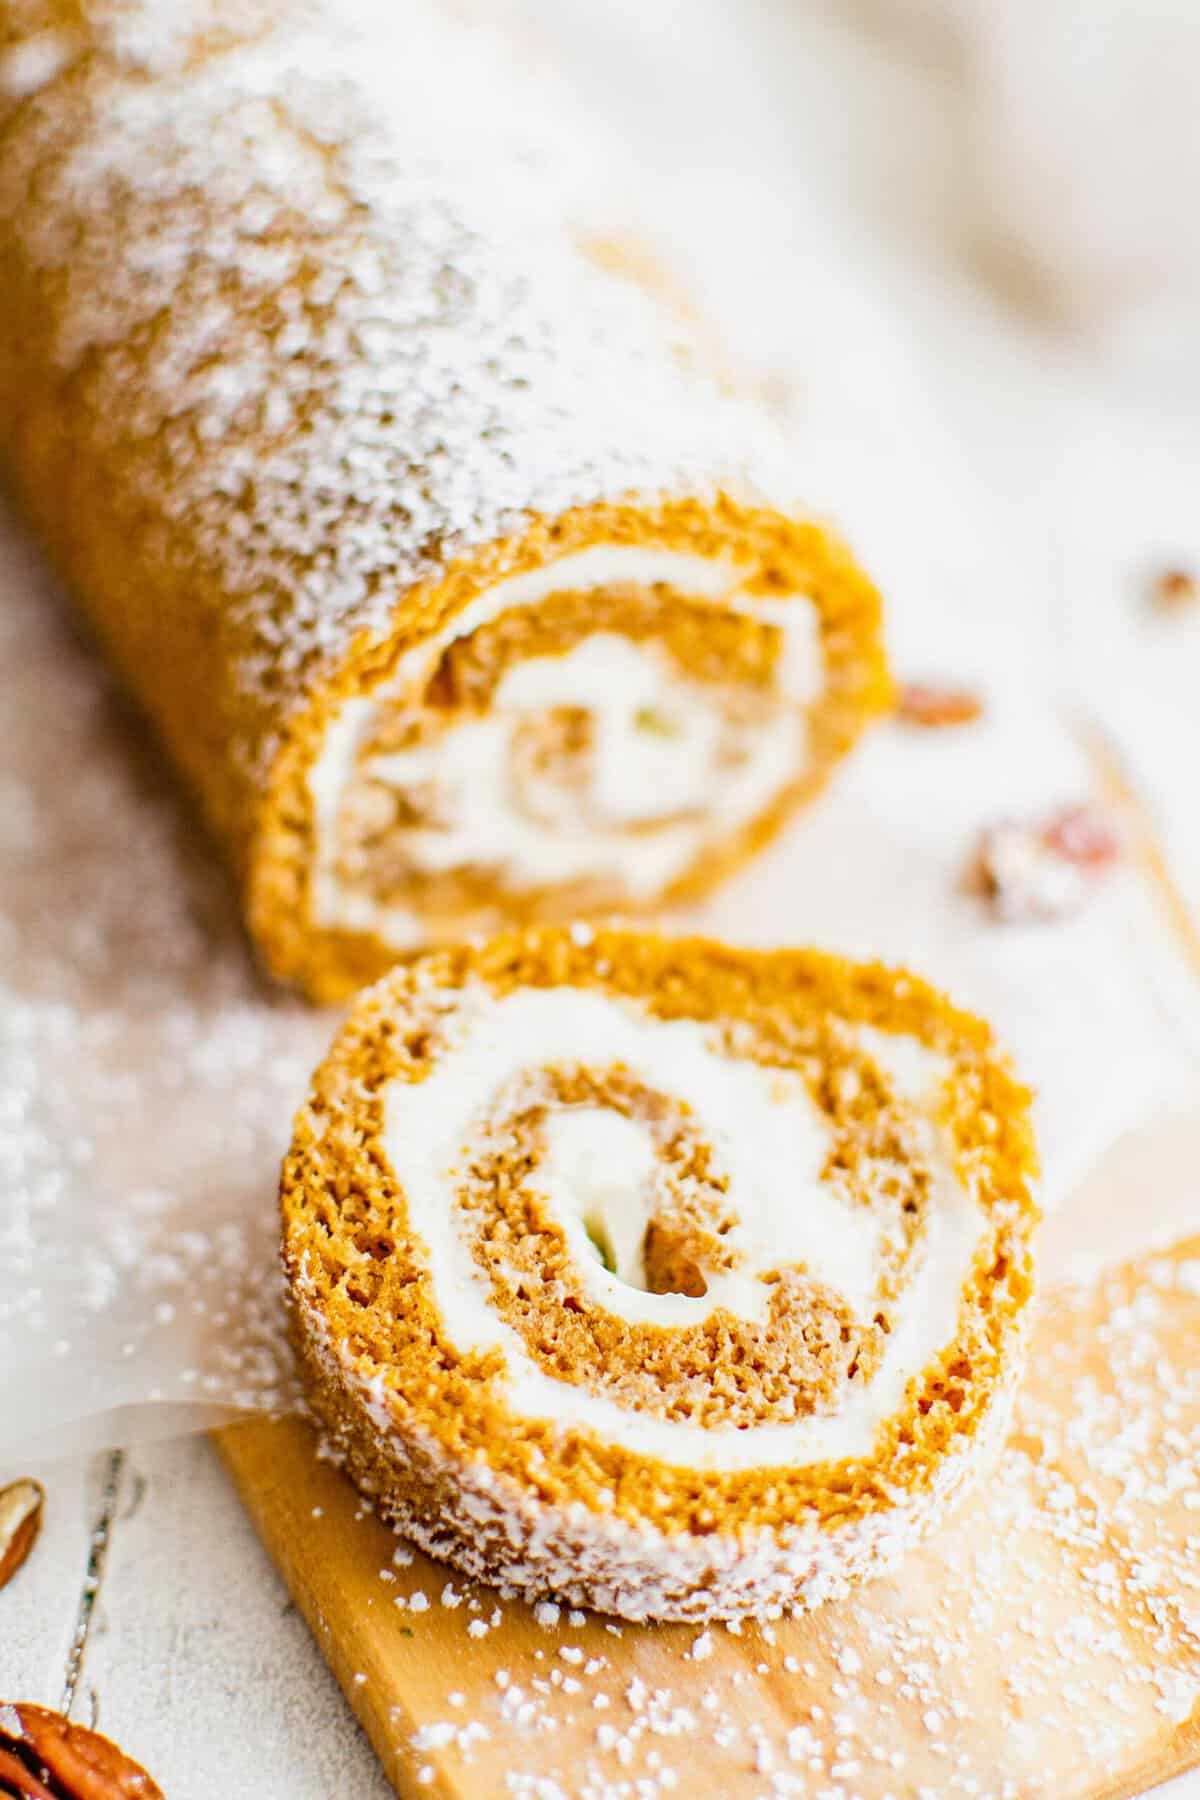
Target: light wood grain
{"type": "Point", "coordinates": [997, 1656]}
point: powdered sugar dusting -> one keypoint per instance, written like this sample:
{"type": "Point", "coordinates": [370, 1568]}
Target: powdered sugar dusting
{"type": "Point", "coordinates": [375, 344]}
{"type": "Point", "coordinates": [1051, 1633]}
{"type": "Point", "coordinates": [146, 1079]}
{"type": "Point", "coordinates": [377, 341]}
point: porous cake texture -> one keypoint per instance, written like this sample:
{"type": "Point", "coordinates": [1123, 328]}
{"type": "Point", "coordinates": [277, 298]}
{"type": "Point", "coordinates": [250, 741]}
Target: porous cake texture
{"type": "Point", "coordinates": [671, 1279]}
{"type": "Point", "coordinates": [458, 582]}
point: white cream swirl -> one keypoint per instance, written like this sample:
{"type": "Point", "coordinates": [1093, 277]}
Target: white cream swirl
{"type": "Point", "coordinates": [656, 795]}
{"type": "Point", "coordinates": [773, 1142]}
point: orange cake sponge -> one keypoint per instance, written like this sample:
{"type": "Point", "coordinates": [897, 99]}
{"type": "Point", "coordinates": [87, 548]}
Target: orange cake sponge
{"type": "Point", "coordinates": [671, 1279]}
{"type": "Point", "coordinates": [459, 583]}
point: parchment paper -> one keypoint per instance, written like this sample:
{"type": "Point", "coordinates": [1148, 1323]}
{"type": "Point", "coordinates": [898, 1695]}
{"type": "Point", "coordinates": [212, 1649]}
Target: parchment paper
{"type": "Point", "coordinates": [147, 1075]}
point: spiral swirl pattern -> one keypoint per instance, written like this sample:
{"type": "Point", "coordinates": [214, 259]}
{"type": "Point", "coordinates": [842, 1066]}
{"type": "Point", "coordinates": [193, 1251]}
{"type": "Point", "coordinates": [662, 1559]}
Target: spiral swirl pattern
{"type": "Point", "coordinates": [586, 737]}
{"type": "Point", "coordinates": [677, 1280]}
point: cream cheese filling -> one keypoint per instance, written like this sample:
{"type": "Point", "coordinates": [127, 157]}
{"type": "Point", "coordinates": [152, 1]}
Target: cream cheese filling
{"type": "Point", "coordinates": [598, 1168]}
{"type": "Point", "coordinates": [658, 788]}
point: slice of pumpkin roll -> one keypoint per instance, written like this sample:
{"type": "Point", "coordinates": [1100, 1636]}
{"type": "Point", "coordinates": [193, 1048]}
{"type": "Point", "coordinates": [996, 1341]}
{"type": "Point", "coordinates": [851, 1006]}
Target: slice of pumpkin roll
{"type": "Point", "coordinates": [675, 1280]}
{"type": "Point", "coordinates": [457, 580]}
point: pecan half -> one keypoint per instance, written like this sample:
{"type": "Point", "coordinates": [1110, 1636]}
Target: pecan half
{"type": "Point", "coordinates": [1173, 589]}
{"type": "Point", "coordinates": [45, 1757]}
{"type": "Point", "coordinates": [21, 1506]}
{"type": "Point", "coordinates": [932, 705]}
{"type": "Point", "coordinates": [1046, 869]}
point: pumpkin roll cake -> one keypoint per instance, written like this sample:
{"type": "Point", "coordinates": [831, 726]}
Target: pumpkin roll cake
{"type": "Point", "coordinates": [675, 1280]}
{"type": "Point", "coordinates": [458, 581]}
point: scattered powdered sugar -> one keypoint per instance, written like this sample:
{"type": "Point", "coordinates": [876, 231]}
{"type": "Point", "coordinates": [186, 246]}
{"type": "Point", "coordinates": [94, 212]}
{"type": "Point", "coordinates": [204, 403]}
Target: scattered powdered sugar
{"type": "Point", "coordinates": [377, 340]}
{"type": "Point", "coordinates": [147, 1081]}
{"type": "Point", "coordinates": [440, 1735]}
{"type": "Point", "coordinates": [1054, 1626]}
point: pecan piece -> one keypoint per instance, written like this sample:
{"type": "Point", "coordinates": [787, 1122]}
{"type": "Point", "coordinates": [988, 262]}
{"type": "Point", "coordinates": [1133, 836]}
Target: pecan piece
{"type": "Point", "coordinates": [932, 705]}
{"type": "Point", "coordinates": [21, 1506]}
{"type": "Point", "coordinates": [1173, 589]}
{"type": "Point", "coordinates": [1046, 869]}
{"type": "Point", "coordinates": [1084, 835]}
{"type": "Point", "coordinates": [43, 1756]}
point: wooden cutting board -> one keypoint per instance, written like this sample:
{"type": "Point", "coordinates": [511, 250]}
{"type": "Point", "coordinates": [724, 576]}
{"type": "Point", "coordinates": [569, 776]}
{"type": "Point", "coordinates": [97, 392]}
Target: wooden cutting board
{"type": "Point", "coordinates": [1047, 1645]}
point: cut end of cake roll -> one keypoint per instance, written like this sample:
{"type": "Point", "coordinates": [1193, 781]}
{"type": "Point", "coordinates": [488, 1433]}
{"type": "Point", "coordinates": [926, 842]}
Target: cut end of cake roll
{"type": "Point", "coordinates": [674, 1280]}
{"type": "Point", "coordinates": [462, 583]}
{"type": "Point", "coordinates": [602, 714]}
